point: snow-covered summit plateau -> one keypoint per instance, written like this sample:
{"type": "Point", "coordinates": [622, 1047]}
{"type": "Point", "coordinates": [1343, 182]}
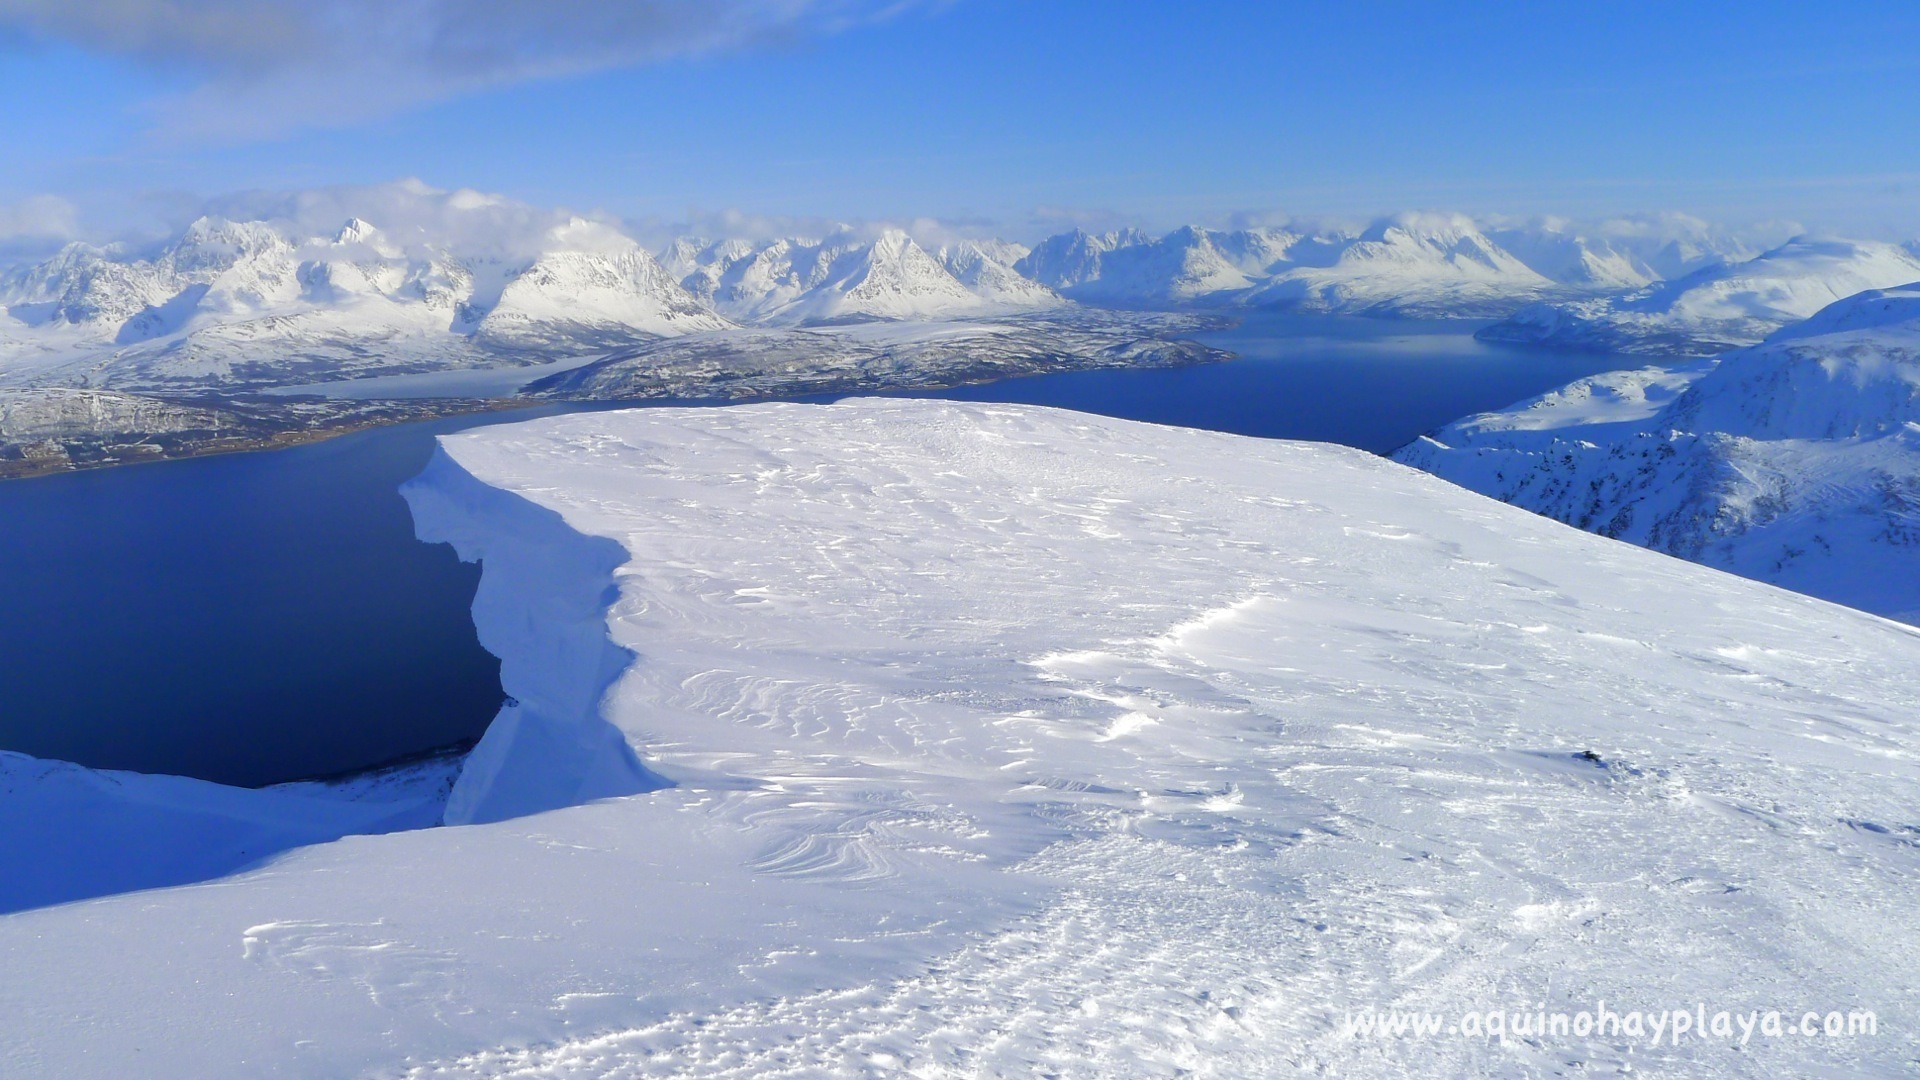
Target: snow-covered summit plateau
{"type": "Point", "coordinates": [1005, 741]}
{"type": "Point", "coordinates": [1796, 461]}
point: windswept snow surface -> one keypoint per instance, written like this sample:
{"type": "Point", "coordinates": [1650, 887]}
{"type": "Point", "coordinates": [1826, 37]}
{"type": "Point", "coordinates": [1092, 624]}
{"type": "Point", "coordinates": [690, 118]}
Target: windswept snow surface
{"type": "Point", "coordinates": [1795, 462]}
{"type": "Point", "coordinates": [1012, 741]}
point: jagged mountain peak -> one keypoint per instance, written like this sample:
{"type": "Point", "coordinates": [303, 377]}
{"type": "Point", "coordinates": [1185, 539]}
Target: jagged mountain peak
{"type": "Point", "coordinates": [356, 231]}
{"type": "Point", "coordinates": [850, 275]}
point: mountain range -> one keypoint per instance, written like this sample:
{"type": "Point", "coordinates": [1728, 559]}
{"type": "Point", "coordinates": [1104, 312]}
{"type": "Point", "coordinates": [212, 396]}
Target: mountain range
{"type": "Point", "coordinates": [231, 304]}
{"type": "Point", "coordinates": [1425, 265]}
{"type": "Point", "coordinates": [239, 303]}
{"type": "Point", "coordinates": [1796, 461]}
{"type": "Point", "coordinates": [1718, 306]}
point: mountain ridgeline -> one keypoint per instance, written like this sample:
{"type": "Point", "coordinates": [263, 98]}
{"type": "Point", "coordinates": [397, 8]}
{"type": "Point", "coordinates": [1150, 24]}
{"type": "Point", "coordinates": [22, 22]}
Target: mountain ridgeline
{"type": "Point", "coordinates": [1795, 461]}
{"type": "Point", "coordinates": [241, 304]}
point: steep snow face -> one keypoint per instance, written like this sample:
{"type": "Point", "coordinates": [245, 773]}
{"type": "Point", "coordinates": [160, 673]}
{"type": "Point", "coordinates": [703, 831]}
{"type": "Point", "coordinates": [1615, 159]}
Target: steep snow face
{"type": "Point", "coordinates": [1795, 462]}
{"type": "Point", "coordinates": [846, 278]}
{"type": "Point", "coordinates": [1424, 264]}
{"type": "Point", "coordinates": [986, 269]}
{"type": "Point", "coordinates": [1421, 264]}
{"type": "Point", "coordinates": [1009, 740]}
{"type": "Point", "coordinates": [599, 286]}
{"type": "Point", "coordinates": [1071, 259]}
{"type": "Point", "coordinates": [249, 303]}
{"type": "Point", "coordinates": [1131, 269]}
{"type": "Point", "coordinates": [1556, 251]}
{"type": "Point", "coordinates": [1411, 264]}
{"type": "Point", "coordinates": [1721, 306]}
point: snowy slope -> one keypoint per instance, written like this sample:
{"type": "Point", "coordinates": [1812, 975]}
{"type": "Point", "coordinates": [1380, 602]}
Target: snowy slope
{"type": "Point", "coordinates": [1721, 306]}
{"type": "Point", "coordinates": [851, 278]}
{"type": "Point", "coordinates": [598, 286]}
{"type": "Point", "coordinates": [255, 303]}
{"type": "Point", "coordinates": [1008, 741]}
{"type": "Point", "coordinates": [69, 833]}
{"type": "Point", "coordinates": [1414, 264]}
{"type": "Point", "coordinates": [1071, 259]}
{"type": "Point", "coordinates": [1411, 264]}
{"type": "Point", "coordinates": [1129, 268]}
{"type": "Point", "coordinates": [1619, 254]}
{"type": "Point", "coordinates": [1795, 462]}
{"type": "Point", "coordinates": [986, 269]}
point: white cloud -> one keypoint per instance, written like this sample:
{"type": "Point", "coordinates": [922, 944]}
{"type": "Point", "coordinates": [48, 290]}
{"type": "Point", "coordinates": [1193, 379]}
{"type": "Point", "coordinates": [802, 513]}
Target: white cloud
{"type": "Point", "coordinates": [929, 232]}
{"type": "Point", "coordinates": [414, 214]}
{"type": "Point", "coordinates": [42, 217]}
{"type": "Point", "coordinates": [269, 65]}
{"type": "Point", "coordinates": [33, 228]}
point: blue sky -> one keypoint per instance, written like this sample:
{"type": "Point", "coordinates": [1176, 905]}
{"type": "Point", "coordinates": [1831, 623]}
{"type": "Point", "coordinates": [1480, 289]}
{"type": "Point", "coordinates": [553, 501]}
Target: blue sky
{"type": "Point", "coordinates": [1026, 115]}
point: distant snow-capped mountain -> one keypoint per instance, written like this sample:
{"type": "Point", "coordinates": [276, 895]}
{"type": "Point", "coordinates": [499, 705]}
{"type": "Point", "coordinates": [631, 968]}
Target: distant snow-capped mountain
{"type": "Point", "coordinates": [1622, 254]}
{"type": "Point", "coordinates": [1796, 461]}
{"type": "Point", "coordinates": [986, 269]}
{"type": "Point", "coordinates": [1411, 264]}
{"type": "Point", "coordinates": [236, 303]}
{"type": "Point", "coordinates": [1132, 268]}
{"type": "Point", "coordinates": [463, 279]}
{"type": "Point", "coordinates": [847, 278]}
{"type": "Point", "coordinates": [1721, 306]}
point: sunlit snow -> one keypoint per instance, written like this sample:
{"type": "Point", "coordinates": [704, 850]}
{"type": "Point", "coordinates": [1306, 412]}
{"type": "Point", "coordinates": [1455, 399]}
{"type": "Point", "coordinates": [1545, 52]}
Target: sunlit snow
{"type": "Point", "coordinates": [959, 740]}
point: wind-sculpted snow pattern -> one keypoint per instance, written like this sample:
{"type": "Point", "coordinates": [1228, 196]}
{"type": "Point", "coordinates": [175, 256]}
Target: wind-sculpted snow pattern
{"type": "Point", "coordinates": [1007, 741]}
{"type": "Point", "coordinates": [1795, 462]}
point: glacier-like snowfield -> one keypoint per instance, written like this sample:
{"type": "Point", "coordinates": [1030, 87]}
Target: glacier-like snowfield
{"type": "Point", "coordinates": [957, 740]}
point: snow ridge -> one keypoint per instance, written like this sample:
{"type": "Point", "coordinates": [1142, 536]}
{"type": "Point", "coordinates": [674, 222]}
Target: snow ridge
{"type": "Point", "coordinates": [541, 608]}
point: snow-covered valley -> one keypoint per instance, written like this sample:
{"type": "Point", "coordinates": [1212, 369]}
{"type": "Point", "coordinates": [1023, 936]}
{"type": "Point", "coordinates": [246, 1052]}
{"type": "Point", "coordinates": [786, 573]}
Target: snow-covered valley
{"type": "Point", "coordinates": [1002, 741]}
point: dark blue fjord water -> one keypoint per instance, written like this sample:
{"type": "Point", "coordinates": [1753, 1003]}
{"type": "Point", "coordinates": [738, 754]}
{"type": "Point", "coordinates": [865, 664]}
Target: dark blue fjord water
{"type": "Point", "coordinates": [265, 617]}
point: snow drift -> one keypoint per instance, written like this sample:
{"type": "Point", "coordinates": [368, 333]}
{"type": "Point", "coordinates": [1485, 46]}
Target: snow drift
{"type": "Point", "coordinates": [541, 608]}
